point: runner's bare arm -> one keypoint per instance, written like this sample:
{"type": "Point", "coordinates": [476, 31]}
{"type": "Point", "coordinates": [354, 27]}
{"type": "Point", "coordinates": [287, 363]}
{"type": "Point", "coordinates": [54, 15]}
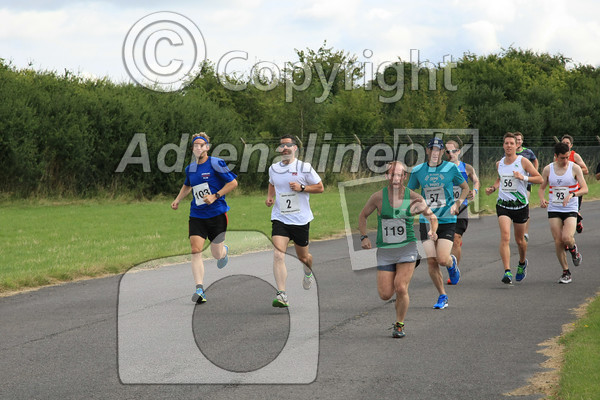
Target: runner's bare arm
{"type": "Point", "coordinates": [418, 205]}
{"type": "Point", "coordinates": [374, 203]}
{"type": "Point", "coordinates": [474, 178]}
{"type": "Point", "coordinates": [316, 188]}
{"type": "Point", "coordinates": [579, 161]}
{"type": "Point", "coordinates": [534, 175]}
{"type": "Point", "coordinates": [229, 186]}
{"type": "Point", "coordinates": [578, 171]}
{"type": "Point", "coordinates": [496, 185]}
{"type": "Point", "coordinates": [270, 195]}
{"type": "Point", "coordinates": [542, 188]}
{"type": "Point", "coordinates": [183, 192]}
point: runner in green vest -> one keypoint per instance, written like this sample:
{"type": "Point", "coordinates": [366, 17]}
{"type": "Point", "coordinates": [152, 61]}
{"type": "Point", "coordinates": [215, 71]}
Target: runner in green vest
{"type": "Point", "coordinates": [397, 254]}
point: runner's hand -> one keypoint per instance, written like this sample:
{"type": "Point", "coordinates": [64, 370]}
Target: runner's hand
{"type": "Point", "coordinates": [211, 198]}
{"type": "Point", "coordinates": [489, 190]}
{"type": "Point", "coordinates": [543, 203]}
{"type": "Point", "coordinates": [566, 201]}
{"type": "Point", "coordinates": [518, 175]}
{"type": "Point", "coordinates": [269, 202]}
{"type": "Point", "coordinates": [175, 205]}
{"type": "Point", "coordinates": [432, 235]}
{"type": "Point", "coordinates": [366, 243]}
{"type": "Point", "coordinates": [295, 186]}
{"type": "Point", "coordinates": [454, 209]}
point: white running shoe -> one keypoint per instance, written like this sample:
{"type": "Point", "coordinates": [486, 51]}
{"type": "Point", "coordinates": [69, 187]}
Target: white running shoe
{"type": "Point", "coordinates": [308, 281]}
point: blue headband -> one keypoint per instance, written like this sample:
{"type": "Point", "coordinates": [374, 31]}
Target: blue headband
{"type": "Point", "coordinates": [199, 137]}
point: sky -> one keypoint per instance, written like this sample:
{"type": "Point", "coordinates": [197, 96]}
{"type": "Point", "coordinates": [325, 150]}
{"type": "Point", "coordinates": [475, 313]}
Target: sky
{"type": "Point", "coordinates": [88, 37]}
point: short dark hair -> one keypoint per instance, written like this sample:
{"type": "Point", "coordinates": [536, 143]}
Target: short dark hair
{"type": "Point", "coordinates": [508, 135]}
{"type": "Point", "coordinates": [517, 133]}
{"type": "Point", "coordinates": [288, 137]}
{"type": "Point", "coordinates": [561, 148]}
{"type": "Point", "coordinates": [567, 137]}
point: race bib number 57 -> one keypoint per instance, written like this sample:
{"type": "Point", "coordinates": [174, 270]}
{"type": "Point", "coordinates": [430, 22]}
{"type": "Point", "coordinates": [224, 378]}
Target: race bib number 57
{"type": "Point", "coordinates": [435, 197]}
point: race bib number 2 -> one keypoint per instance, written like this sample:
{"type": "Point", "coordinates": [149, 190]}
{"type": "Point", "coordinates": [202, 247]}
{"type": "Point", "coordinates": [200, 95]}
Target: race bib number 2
{"type": "Point", "coordinates": [289, 203]}
{"type": "Point", "coordinates": [200, 192]}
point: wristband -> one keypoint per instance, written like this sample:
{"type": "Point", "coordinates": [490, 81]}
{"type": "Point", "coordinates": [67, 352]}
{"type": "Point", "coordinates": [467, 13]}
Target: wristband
{"type": "Point", "coordinates": [525, 178]}
{"type": "Point", "coordinates": [363, 237]}
{"type": "Point", "coordinates": [476, 191]}
{"type": "Point", "coordinates": [217, 195]}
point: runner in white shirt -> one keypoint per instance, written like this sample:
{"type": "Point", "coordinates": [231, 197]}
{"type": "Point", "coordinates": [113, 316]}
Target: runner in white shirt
{"type": "Point", "coordinates": [566, 182]}
{"type": "Point", "coordinates": [512, 205]}
{"type": "Point", "coordinates": [290, 182]}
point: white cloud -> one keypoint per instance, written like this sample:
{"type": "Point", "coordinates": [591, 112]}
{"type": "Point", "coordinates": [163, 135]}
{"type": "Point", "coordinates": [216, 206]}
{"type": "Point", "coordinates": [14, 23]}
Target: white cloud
{"type": "Point", "coordinates": [88, 37]}
{"type": "Point", "coordinates": [482, 36]}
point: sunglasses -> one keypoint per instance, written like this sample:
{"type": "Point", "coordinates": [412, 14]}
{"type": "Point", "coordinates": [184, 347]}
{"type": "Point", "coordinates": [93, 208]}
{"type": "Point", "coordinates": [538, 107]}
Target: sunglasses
{"type": "Point", "coordinates": [452, 151]}
{"type": "Point", "coordinates": [282, 145]}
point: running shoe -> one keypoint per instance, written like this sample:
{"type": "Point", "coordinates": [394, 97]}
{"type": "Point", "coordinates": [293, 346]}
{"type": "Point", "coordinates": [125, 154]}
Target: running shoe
{"type": "Point", "coordinates": [281, 300]}
{"type": "Point", "coordinates": [398, 330]}
{"type": "Point", "coordinates": [507, 278]}
{"type": "Point", "coordinates": [575, 256]}
{"type": "Point", "coordinates": [453, 271]}
{"type": "Point", "coordinates": [442, 302]}
{"type": "Point", "coordinates": [579, 227]}
{"type": "Point", "coordinates": [521, 271]}
{"type": "Point", "coordinates": [565, 278]}
{"type": "Point", "coordinates": [199, 297]}
{"type": "Point", "coordinates": [308, 281]}
{"type": "Point", "coordinates": [449, 281]}
{"type": "Point", "coordinates": [223, 261]}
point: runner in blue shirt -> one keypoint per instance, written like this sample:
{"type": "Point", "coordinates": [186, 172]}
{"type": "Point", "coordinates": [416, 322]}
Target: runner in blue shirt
{"type": "Point", "coordinates": [210, 180]}
{"type": "Point", "coordinates": [436, 178]}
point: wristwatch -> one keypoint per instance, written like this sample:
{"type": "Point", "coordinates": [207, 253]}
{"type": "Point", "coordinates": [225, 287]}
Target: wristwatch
{"type": "Point", "coordinates": [217, 195]}
{"type": "Point", "coordinates": [302, 187]}
{"type": "Point", "coordinates": [363, 237]}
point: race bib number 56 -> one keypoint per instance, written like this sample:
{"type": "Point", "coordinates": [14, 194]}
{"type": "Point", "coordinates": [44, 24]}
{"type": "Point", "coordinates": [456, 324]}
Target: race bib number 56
{"type": "Point", "coordinates": [508, 183]}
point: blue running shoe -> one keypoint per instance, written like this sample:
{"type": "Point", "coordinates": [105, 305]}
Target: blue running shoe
{"type": "Point", "coordinates": [199, 297]}
{"type": "Point", "coordinates": [453, 271]}
{"type": "Point", "coordinates": [442, 302]}
{"type": "Point", "coordinates": [223, 261]}
{"type": "Point", "coordinates": [521, 271]}
{"type": "Point", "coordinates": [398, 330]}
{"type": "Point", "coordinates": [507, 278]}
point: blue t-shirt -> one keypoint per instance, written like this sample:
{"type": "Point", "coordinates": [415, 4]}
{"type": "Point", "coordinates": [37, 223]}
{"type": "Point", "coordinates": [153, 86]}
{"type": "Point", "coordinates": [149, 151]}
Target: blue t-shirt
{"type": "Point", "coordinates": [436, 185]}
{"type": "Point", "coordinates": [208, 178]}
{"type": "Point", "coordinates": [462, 167]}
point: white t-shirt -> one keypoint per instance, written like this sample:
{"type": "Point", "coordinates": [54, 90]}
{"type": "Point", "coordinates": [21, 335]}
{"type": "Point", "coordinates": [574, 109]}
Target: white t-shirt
{"type": "Point", "coordinates": [292, 208]}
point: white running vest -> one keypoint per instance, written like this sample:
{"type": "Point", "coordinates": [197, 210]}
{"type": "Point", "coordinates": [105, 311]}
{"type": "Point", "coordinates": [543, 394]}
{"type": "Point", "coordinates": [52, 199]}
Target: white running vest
{"type": "Point", "coordinates": [512, 193]}
{"type": "Point", "coordinates": [560, 187]}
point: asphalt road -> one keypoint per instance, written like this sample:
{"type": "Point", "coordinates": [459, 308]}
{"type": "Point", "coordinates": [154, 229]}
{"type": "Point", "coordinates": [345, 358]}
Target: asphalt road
{"type": "Point", "coordinates": [139, 336]}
